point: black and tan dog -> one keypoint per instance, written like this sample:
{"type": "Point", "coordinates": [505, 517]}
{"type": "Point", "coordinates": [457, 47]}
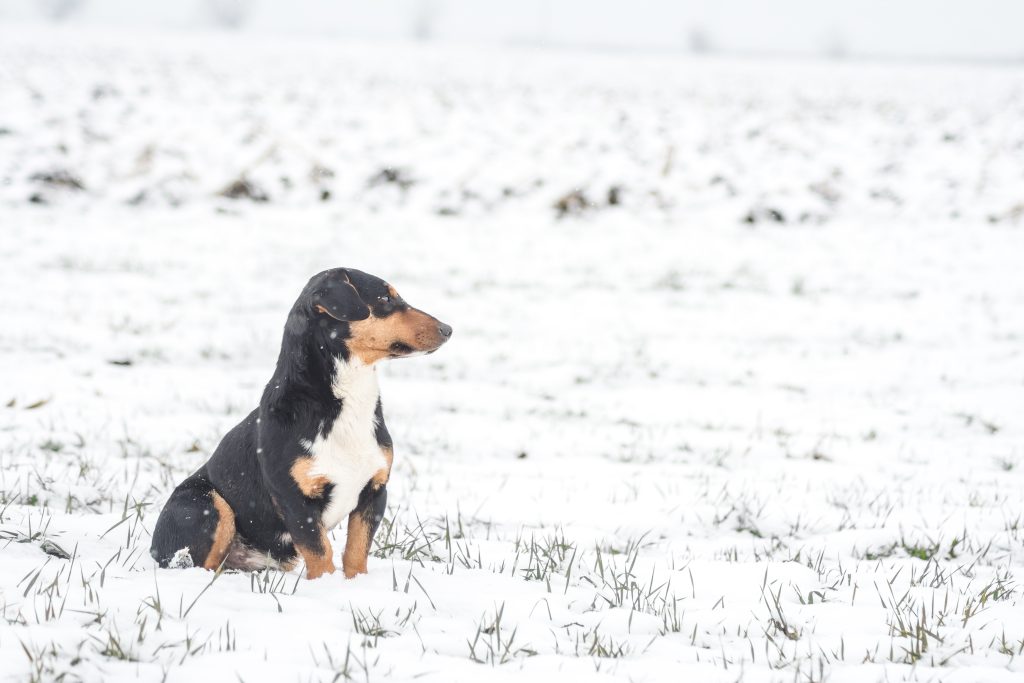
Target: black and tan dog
{"type": "Point", "coordinates": [315, 450]}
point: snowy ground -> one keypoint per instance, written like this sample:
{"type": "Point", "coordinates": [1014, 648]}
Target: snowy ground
{"type": "Point", "coordinates": [735, 391]}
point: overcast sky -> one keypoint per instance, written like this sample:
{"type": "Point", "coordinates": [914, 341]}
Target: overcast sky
{"type": "Point", "coordinates": [970, 29]}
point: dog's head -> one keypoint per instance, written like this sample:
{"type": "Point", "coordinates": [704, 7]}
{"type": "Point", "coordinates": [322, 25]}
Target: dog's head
{"type": "Point", "coordinates": [357, 315]}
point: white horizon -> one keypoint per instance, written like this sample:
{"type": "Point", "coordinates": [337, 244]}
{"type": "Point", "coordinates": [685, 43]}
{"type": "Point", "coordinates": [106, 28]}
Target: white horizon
{"type": "Point", "coordinates": [983, 30]}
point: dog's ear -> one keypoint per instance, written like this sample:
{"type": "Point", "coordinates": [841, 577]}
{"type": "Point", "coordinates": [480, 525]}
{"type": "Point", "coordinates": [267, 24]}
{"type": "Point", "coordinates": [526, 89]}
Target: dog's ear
{"type": "Point", "coordinates": [338, 299]}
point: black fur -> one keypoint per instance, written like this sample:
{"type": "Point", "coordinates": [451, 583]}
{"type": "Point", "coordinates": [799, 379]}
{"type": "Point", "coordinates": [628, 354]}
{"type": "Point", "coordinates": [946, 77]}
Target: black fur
{"type": "Point", "coordinates": [189, 520]}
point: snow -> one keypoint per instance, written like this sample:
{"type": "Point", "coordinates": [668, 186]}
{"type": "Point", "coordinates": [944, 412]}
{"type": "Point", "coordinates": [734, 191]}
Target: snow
{"type": "Point", "coordinates": [664, 443]}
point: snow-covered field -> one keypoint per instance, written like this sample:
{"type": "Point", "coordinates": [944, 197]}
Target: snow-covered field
{"type": "Point", "coordinates": [735, 391]}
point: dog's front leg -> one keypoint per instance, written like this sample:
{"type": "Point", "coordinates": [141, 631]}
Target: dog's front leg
{"type": "Point", "coordinates": [310, 539]}
{"type": "Point", "coordinates": [309, 536]}
{"type": "Point", "coordinates": [295, 495]}
{"type": "Point", "coordinates": [362, 525]}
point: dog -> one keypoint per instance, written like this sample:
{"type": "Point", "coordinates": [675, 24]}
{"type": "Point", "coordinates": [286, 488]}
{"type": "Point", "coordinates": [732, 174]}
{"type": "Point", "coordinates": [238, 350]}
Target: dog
{"type": "Point", "coordinates": [315, 450]}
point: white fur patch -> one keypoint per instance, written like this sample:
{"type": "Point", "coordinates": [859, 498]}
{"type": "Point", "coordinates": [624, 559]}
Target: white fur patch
{"type": "Point", "coordinates": [349, 456]}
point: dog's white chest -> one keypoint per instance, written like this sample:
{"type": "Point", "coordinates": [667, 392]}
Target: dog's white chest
{"type": "Point", "coordinates": [348, 455]}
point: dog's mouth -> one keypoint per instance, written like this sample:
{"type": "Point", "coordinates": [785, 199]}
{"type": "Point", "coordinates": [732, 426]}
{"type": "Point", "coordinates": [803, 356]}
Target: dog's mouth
{"type": "Point", "coordinates": [425, 339]}
{"type": "Point", "coordinates": [400, 349]}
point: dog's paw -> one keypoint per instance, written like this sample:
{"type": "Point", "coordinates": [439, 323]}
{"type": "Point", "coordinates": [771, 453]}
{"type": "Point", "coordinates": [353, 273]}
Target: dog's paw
{"type": "Point", "coordinates": [315, 571]}
{"type": "Point", "coordinates": [353, 570]}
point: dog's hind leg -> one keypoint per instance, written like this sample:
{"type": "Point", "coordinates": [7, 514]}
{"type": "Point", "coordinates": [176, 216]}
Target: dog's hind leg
{"type": "Point", "coordinates": [195, 528]}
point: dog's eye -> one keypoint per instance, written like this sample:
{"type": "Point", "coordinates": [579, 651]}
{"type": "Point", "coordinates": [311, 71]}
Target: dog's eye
{"type": "Point", "coordinates": [384, 299]}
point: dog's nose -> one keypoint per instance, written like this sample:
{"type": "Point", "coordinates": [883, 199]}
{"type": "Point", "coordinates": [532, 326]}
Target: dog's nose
{"type": "Point", "coordinates": [445, 330]}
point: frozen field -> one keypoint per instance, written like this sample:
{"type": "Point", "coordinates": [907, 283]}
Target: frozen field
{"type": "Point", "coordinates": [735, 392]}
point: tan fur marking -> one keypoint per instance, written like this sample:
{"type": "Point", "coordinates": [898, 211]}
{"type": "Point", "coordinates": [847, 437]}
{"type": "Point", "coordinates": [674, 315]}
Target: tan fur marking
{"type": "Point", "coordinates": [311, 485]}
{"type": "Point", "coordinates": [381, 476]}
{"type": "Point", "coordinates": [372, 338]}
{"type": "Point", "coordinates": [357, 546]}
{"type": "Point", "coordinates": [318, 564]}
{"type": "Point", "coordinates": [223, 535]}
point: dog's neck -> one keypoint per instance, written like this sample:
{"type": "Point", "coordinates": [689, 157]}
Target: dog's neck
{"type": "Point", "coordinates": [307, 371]}
{"type": "Point", "coordinates": [354, 380]}
{"type": "Point", "coordinates": [355, 385]}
